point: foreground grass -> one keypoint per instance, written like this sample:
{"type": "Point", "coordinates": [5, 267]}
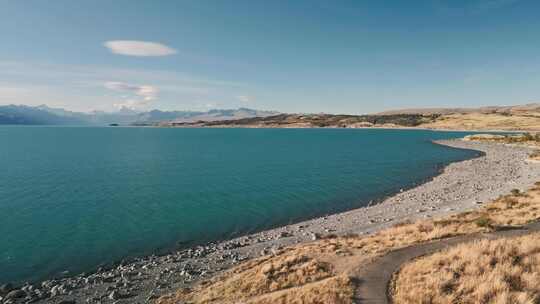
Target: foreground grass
{"type": "Point", "coordinates": [501, 271]}
{"type": "Point", "coordinates": [319, 272]}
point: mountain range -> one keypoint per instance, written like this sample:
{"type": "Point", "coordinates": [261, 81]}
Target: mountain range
{"type": "Point", "coordinates": [44, 115]}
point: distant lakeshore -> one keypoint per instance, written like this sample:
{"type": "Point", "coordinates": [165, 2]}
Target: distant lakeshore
{"type": "Point", "coordinates": [490, 118]}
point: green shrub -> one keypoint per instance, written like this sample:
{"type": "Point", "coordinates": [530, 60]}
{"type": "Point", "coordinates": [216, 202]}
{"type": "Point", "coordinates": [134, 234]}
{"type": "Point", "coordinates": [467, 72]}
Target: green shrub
{"type": "Point", "coordinates": [535, 154]}
{"type": "Point", "coordinates": [446, 222]}
{"type": "Point", "coordinates": [483, 222]}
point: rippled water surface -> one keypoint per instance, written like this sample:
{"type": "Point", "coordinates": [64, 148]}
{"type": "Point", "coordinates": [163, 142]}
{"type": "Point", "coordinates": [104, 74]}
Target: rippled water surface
{"type": "Point", "coordinates": [73, 198]}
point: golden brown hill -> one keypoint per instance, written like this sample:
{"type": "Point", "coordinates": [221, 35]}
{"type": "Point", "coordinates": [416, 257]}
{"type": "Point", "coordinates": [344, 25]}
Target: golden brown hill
{"type": "Point", "coordinates": [525, 117]}
{"type": "Point", "coordinates": [521, 117]}
{"type": "Point", "coordinates": [527, 108]}
{"type": "Point", "coordinates": [486, 121]}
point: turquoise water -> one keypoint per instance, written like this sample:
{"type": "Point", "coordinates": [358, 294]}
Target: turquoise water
{"type": "Point", "coordinates": [73, 198]}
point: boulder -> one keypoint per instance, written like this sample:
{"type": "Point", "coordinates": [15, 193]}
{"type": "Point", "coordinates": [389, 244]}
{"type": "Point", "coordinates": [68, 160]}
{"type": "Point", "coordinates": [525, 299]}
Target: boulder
{"type": "Point", "coordinates": [15, 294]}
{"type": "Point", "coordinates": [5, 288]}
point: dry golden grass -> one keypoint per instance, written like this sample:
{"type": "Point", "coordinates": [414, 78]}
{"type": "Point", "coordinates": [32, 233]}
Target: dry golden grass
{"type": "Point", "coordinates": [535, 156]}
{"type": "Point", "coordinates": [337, 290]}
{"type": "Point", "coordinates": [484, 121]}
{"type": "Point", "coordinates": [526, 139]}
{"type": "Point", "coordinates": [501, 271]}
{"type": "Point", "coordinates": [318, 272]}
{"type": "Point", "coordinates": [273, 279]}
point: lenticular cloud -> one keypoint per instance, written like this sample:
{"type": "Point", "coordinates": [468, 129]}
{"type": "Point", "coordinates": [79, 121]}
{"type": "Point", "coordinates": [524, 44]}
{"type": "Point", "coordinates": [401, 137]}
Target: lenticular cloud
{"type": "Point", "coordinates": [139, 48]}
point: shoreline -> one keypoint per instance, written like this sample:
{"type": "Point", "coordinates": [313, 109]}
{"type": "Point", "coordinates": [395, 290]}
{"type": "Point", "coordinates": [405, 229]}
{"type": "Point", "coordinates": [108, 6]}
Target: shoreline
{"type": "Point", "coordinates": [457, 188]}
{"type": "Point", "coordinates": [381, 127]}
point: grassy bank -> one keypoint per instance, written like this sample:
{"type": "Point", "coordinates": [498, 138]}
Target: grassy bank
{"type": "Point", "coordinates": [500, 271]}
{"type": "Point", "coordinates": [321, 271]}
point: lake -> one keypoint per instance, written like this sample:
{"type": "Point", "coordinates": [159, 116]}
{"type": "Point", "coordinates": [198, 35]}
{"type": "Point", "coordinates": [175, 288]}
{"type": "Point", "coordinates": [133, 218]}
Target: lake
{"type": "Point", "coordinates": [72, 198]}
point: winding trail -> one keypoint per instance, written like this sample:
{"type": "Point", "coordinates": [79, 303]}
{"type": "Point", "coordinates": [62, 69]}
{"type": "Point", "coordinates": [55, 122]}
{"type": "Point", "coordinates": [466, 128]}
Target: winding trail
{"type": "Point", "coordinates": [373, 280]}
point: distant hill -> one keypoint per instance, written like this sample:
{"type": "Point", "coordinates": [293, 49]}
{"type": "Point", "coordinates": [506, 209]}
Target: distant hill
{"type": "Point", "coordinates": [44, 115]}
{"type": "Point", "coordinates": [317, 121]}
{"type": "Point", "coordinates": [514, 118]}
{"type": "Point", "coordinates": [520, 117]}
{"type": "Point", "coordinates": [532, 107]}
{"type": "Point", "coordinates": [217, 115]}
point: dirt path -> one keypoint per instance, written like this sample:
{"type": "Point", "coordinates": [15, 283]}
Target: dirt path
{"type": "Point", "coordinates": [373, 280]}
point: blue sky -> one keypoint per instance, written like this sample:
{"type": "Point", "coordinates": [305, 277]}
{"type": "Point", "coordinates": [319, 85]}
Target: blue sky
{"type": "Point", "coordinates": [331, 56]}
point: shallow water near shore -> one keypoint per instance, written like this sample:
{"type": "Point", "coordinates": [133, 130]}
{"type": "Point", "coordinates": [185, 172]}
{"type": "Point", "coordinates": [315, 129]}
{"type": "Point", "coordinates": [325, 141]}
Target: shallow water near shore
{"type": "Point", "coordinates": [73, 198]}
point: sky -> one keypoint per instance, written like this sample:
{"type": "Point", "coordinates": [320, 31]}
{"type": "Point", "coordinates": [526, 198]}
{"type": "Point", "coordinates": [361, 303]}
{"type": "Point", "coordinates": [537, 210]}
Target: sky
{"type": "Point", "coordinates": [333, 56]}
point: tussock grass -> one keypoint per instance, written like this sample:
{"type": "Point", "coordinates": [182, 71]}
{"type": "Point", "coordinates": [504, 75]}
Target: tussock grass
{"type": "Point", "coordinates": [535, 155]}
{"type": "Point", "coordinates": [501, 271]}
{"type": "Point", "coordinates": [273, 279]}
{"type": "Point", "coordinates": [523, 139]}
{"type": "Point", "coordinates": [318, 272]}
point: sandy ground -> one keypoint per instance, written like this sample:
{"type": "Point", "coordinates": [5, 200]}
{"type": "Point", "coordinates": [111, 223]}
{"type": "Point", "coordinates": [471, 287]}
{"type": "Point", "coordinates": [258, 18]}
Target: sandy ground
{"type": "Point", "coordinates": [460, 186]}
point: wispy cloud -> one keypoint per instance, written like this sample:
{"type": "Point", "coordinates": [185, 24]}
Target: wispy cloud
{"type": "Point", "coordinates": [244, 98]}
{"type": "Point", "coordinates": [139, 48]}
{"type": "Point", "coordinates": [137, 95]}
{"type": "Point", "coordinates": [146, 92]}
{"type": "Point", "coordinates": [87, 88]}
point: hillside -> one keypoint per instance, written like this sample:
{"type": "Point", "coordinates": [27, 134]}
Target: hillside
{"type": "Point", "coordinates": [521, 117]}
{"type": "Point", "coordinates": [527, 108]}
{"type": "Point", "coordinates": [510, 118]}
{"type": "Point", "coordinates": [319, 121]}
{"type": "Point", "coordinates": [481, 121]}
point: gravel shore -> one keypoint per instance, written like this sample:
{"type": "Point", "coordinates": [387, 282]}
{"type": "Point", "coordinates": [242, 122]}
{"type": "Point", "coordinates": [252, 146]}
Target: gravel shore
{"type": "Point", "coordinates": [460, 186]}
